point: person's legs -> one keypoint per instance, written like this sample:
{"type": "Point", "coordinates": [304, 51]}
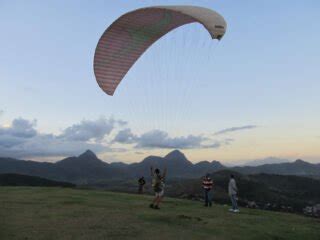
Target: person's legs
{"type": "Point", "coordinates": [234, 202]}
{"type": "Point", "coordinates": [160, 196]}
{"type": "Point", "coordinates": [154, 201]}
{"type": "Point", "coordinates": [159, 199]}
{"type": "Point", "coordinates": [206, 198]}
{"type": "Point", "coordinates": [210, 198]}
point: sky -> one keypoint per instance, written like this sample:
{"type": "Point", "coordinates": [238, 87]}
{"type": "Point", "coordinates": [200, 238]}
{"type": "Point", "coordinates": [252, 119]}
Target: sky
{"type": "Point", "coordinates": [252, 95]}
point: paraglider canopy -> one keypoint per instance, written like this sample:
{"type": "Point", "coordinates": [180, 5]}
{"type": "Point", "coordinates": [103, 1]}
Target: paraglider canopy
{"type": "Point", "coordinates": [130, 36]}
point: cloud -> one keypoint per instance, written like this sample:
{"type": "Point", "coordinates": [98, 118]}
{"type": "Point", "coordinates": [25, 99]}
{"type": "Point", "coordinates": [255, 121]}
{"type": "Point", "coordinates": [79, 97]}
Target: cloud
{"type": "Point", "coordinates": [234, 129]}
{"type": "Point", "coordinates": [125, 136]}
{"type": "Point", "coordinates": [161, 139]}
{"type": "Point", "coordinates": [8, 141]}
{"type": "Point", "coordinates": [139, 153]}
{"type": "Point", "coordinates": [213, 145]}
{"type": "Point", "coordinates": [48, 145]}
{"type": "Point", "coordinates": [218, 144]}
{"type": "Point", "coordinates": [228, 141]}
{"type": "Point", "coordinates": [1, 112]}
{"type": "Point", "coordinates": [90, 130]}
{"type": "Point", "coordinates": [22, 140]}
{"type": "Point", "coordinates": [20, 128]}
{"type": "Point", "coordinates": [122, 123]}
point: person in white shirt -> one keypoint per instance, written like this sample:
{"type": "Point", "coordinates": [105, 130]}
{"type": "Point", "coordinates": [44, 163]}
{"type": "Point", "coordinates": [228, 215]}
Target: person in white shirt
{"type": "Point", "coordinates": [233, 190]}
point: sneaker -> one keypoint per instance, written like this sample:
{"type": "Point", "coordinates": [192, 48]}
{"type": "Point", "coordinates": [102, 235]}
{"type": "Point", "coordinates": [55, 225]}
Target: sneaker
{"type": "Point", "coordinates": [151, 205]}
{"type": "Point", "coordinates": [236, 210]}
{"type": "Point", "coordinates": [231, 210]}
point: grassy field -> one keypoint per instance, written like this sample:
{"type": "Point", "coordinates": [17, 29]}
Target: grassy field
{"type": "Point", "coordinates": [57, 213]}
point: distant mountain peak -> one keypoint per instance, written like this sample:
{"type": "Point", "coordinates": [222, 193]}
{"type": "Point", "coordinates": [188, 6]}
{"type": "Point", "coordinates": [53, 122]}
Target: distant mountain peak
{"type": "Point", "coordinates": [215, 162]}
{"type": "Point", "coordinates": [87, 160]}
{"type": "Point", "coordinates": [88, 154]}
{"type": "Point", "coordinates": [175, 154]}
{"type": "Point", "coordinates": [300, 161]}
{"type": "Point", "coordinates": [268, 160]}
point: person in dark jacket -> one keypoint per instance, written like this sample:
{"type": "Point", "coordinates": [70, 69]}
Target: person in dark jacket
{"type": "Point", "coordinates": [141, 183]}
{"type": "Point", "coordinates": [207, 185]}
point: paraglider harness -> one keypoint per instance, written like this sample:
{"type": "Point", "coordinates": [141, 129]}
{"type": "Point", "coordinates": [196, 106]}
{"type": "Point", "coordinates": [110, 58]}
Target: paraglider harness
{"type": "Point", "coordinates": [158, 180]}
{"type": "Point", "coordinates": [157, 183]}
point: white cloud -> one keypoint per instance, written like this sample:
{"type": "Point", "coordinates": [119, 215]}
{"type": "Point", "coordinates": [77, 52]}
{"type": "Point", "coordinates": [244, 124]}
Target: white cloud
{"type": "Point", "coordinates": [22, 140]}
{"type": "Point", "coordinates": [160, 139]}
{"type": "Point", "coordinates": [90, 130]}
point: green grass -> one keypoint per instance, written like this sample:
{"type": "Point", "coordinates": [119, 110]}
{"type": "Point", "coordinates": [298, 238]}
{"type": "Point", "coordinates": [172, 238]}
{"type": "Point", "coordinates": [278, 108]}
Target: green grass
{"type": "Point", "coordinates": [59, 214]}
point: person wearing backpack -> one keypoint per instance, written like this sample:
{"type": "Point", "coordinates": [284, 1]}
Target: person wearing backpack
{"type": "Point", "coordinates": [141, 183]}
{"type": "Point", "coordinates": [158, 180]}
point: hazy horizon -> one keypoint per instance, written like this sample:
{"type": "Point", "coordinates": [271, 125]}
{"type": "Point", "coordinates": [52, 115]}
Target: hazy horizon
{"type": "Point", "coordinates": [239, 162]}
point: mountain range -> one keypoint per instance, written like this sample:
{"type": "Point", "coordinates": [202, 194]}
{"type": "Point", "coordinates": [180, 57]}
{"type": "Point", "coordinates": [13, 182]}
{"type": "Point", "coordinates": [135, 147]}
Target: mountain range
{"type": "Point", "coordinates": [269, 160]}
{"type": "Point", "coordinates": [88, 168]}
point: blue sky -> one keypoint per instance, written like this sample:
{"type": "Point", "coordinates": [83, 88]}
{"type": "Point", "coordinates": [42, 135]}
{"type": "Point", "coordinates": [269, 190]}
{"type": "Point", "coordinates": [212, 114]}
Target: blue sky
{"type": "Point", "coordinates": [261, 82]}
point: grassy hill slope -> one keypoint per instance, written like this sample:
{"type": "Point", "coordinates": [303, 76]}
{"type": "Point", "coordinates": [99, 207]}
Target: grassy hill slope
{"type": "Point", "coordinates": [58, 213]}
{"type": "Point", "coordinates": [12, 179]}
